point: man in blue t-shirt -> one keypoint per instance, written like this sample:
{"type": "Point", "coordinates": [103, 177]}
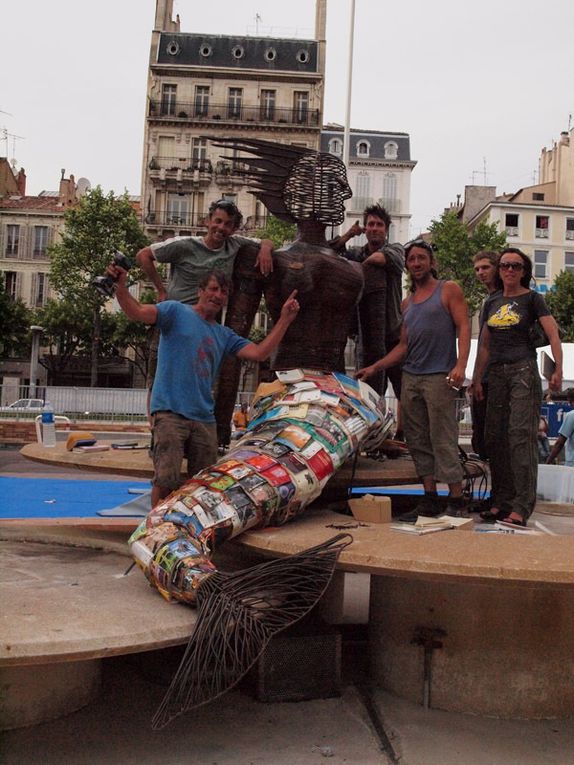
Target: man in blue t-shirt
{"type": "Point", "coordinates": [565, 438]}
{"type": "Point", "coordinates": [191, 348]}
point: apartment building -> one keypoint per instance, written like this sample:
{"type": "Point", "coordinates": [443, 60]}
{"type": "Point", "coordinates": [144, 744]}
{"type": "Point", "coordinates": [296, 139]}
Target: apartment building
{"type": "Point", "coordinates": [538, 219]}
{"type": "Point", "coordinates": [207, 85]}
{"type": "Point", "coordinates": [28, 226]}
{"type": "Point", "coordinates": [379, 172]}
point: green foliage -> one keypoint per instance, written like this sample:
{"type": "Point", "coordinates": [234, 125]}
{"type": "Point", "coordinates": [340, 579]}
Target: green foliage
{"type": "Point", "coordinates": [93, 230]}
{"type": "Point", "coordinates": [15, 320]}
{"type": "Point", "coordinates": [68, 332]}
{"type": "Point", "coordinates": [278, 231]}
{"type": "Point", "coordinates": [455, 247]}
{"type": "Point", "coordinates": [133, 336]}
{"type": "Point", "coordinates": [256, 335]}
{"type": "Point", "coordinates": [560, 301]}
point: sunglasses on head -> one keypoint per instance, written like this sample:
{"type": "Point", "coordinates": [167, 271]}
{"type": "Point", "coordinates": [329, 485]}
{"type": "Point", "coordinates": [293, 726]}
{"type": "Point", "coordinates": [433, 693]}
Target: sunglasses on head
{"type": "Point", "coordinates": [419, 243]}
{"type": "Point", "coordinates": [511, 266]}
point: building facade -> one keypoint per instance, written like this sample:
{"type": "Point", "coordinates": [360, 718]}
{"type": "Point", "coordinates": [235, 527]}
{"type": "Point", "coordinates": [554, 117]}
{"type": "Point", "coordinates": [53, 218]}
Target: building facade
{"type": "Point", "coordinates": [28, 226]}
{"type": "Point", "coordinates": [537, 219]}
{"type": "Point", "coordinates": [379, 172]}
{"type": "Point", "coordinates": [206, 85]}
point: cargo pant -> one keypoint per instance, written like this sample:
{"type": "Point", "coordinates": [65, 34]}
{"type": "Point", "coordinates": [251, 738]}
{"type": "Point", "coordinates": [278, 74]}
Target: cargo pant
{"type": "Point", "coordinates": [513, 410]}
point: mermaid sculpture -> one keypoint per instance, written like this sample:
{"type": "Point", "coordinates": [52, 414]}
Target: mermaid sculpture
{"type": "Point", "coordinates": [302, 428]}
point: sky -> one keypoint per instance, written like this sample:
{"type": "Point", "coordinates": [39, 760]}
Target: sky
{"type": "Point", "coordinates": [481, 88]}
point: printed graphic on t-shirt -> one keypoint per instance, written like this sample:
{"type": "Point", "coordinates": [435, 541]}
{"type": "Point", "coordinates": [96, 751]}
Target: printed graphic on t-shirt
{"type": "Point", "coordinates": [205, 357]}
{"type": "Point", "coordinates": [506, 316]}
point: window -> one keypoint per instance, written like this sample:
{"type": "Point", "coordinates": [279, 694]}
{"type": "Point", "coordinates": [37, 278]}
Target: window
{"type": "Point", "coordinates": [363, 148]}
{"type": "Point", "coordinates": [391, 150]}
{"type": "Point", "coordinates": [363, 191]}
{"type": "Point", "coordinates": [540, 264]}
{"type": "Point", "coordinates": [300, 106]}
{"type": "Point", "coordinates": [542, 226]}
{"type": "Point", "coordinates": [268, 104]}
{"type": "Point", "coordinates": [389, 191]}
{"type": "Point", "coordinates": [537, 196]}
{"type": "Point", "coordinates": [569, 262]}
{"type": "Point", "coordinates": [234, 103]}
{"type": "Point", "coordinates": [199, 149]}
{"type": "Point", "coordinates": [165, 150]}
{"type": "Point", "coordinates": [12, 241]}
{"type": "Point", "coordinates": [41, 236]}
{"type": "Point", "coordinates": [511, 224]}
{"type": "Point", "coordinates": [569, 228]}
{"type": "Point", "coordinates": [39, 293]}
{"type": "Point", "coordinates": [177, 209]}
{"type": "Point", "coordinates": [12, 284]}
{"type": "Point", "coordinates": [336, 147]}
{"type": "Point", "coordinates": [201, 104]}
{"type": "Point", "coordinates": [168, 96]}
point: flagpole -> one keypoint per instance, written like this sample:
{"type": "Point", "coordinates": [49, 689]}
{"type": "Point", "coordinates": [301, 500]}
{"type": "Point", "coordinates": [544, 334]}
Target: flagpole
{"type": "Point", "coordinates": [347, 131]}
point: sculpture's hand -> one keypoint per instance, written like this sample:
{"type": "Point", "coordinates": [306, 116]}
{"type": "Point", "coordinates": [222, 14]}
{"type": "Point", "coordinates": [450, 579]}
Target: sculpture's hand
{"type": "Point", "coordinates": [264, 260]}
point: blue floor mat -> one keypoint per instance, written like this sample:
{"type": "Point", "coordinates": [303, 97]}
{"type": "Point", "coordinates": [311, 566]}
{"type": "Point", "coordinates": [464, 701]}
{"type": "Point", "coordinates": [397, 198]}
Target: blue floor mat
{"type": "Point", "coordinates": [61, 497]}
{"type": "Point", "coordinates": [410, 492]}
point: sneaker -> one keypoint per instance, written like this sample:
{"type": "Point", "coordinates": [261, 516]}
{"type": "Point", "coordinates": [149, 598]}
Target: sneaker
{"type": "Point", "coordinates": [428, 506]}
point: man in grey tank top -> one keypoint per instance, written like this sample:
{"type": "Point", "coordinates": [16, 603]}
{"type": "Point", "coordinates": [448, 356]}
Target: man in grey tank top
{"type": "Point", "coordinates": [433, 315]}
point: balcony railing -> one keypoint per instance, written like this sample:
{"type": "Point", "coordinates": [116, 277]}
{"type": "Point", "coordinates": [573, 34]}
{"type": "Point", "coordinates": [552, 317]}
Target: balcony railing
{"type": "Point", "coordinates": [511, 230]}
{"type": "Point", "coordinates": [179, 219]}
{"type": "Point", "coordinates": [186, 164]}
{"type": "Point", "coordinates": [541, 233]}
{"type": "Point", "coordinates": [183, 220]}
{"type": "Point", "coordinates": [569, 234]}
{"type": "Point", "coordinates": [181, 111]}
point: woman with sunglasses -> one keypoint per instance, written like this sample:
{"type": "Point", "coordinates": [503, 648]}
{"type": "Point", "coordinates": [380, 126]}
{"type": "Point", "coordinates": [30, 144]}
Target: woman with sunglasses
{"type": "Point", "coordinates": [514, 387]}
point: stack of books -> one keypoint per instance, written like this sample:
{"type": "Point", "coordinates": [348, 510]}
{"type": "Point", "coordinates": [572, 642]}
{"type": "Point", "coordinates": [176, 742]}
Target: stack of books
{"type": "Point", "coordinates": [425, 525]}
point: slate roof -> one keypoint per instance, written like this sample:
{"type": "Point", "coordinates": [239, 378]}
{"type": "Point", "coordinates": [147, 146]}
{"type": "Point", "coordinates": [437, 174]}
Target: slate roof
{"type": "Point", "coordinates": [376, 138]}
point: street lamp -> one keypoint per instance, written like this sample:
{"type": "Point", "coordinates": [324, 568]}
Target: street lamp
{"type": "Point", "coordinates": [36, 332]}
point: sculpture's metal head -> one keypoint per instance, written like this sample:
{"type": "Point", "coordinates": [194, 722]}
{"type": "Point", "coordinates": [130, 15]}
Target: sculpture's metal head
{"type": "Point", "coordinates": [294, 183]}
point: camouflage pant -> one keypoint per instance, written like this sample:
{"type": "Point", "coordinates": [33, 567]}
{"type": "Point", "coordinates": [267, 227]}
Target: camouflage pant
{"type": "Point", "coordinates": [513, 410]}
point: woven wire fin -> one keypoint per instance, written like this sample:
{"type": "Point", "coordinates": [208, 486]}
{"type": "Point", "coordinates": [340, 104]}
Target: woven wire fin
{"type": "Point", "coordinates": [238, 614]}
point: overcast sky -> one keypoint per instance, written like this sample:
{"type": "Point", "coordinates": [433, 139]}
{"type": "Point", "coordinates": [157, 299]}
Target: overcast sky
{"type": "Point", "coordinates": [472, 83]}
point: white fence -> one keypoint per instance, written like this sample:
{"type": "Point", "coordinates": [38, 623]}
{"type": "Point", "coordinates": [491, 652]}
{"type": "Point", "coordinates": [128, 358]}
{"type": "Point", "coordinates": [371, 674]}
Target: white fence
{"type": "Point", "coordinates": [110, 404]}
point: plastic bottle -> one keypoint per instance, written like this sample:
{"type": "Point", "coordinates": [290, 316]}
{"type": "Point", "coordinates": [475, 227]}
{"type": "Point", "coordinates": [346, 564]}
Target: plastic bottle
{"type": "Point", "coordinates": [48, 426]}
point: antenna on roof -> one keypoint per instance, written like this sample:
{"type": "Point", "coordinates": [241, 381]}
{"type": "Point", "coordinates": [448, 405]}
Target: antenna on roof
{"type": "Point", "coordinates": [4, 137]}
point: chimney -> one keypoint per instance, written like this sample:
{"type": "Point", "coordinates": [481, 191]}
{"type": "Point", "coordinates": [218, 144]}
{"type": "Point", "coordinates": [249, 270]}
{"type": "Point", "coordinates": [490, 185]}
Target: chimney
{"type": "Point", "coordinates": [21, 181]}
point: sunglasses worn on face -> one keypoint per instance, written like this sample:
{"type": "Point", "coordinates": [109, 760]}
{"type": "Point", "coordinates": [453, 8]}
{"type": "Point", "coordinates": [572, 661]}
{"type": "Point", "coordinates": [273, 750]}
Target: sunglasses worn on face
{"type": "Point", "coordinates": [510, 266]}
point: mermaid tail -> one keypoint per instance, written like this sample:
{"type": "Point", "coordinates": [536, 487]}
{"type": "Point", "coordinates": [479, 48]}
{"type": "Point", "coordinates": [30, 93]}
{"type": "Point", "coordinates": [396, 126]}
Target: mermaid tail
{"type": "Point", "coordinates": [238, 615]}
{"type": "Point", "coordinates": [303, 427]}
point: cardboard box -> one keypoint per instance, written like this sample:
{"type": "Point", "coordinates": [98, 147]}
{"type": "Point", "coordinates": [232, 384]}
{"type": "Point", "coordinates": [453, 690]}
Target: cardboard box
{"type": "Point", "coordinates": [371, 509]}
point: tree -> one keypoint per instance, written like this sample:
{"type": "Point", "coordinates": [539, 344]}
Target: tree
{"type": "Point", "coordinates": [134, 335]}
{"type": "Point", "coordinates": [278, 231]}
{"type": "Point", "coordinates": [68, 333]}
{"type": "Point", "coordinates": [15, 320]}
{"type": "Point", "coordinates": [93, 230]}
{"type": "Point", "coordinates": [560, 301]}
{"type": "Point", "coordinates": [455, 247]}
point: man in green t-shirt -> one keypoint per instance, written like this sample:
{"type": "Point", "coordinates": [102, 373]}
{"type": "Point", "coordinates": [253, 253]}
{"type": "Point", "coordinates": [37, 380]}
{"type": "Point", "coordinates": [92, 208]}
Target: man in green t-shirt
{"type": "Point", "coordinates": [191, 257]}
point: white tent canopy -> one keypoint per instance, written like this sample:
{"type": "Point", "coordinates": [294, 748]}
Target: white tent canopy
{"type": "Point", "coordinates": [567, 350]}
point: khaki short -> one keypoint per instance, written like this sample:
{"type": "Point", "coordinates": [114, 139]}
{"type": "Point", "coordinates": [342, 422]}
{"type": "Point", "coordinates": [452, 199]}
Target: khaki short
{"type": "Point", "coordinates": [175, 438]}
